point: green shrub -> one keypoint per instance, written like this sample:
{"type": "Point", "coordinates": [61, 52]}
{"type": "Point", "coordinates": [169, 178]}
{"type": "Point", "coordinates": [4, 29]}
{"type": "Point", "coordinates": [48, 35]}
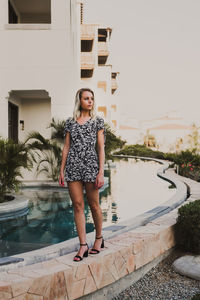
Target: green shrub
{"type": "Point", "coordinates": [13, 157]}
{"type": "Point", "coordinates": [196, 297]}
{"type": "Point", "coordinates": [184, 157]}
{"type": "Point", "coordinates": [140, 150]}
{"type": "Point", "coordinates": [187, 228]}
{"type": "Point", "coordinates": [113, 142]}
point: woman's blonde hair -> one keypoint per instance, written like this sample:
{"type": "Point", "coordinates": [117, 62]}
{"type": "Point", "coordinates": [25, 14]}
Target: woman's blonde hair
{"type": "Point", "coordinates": [77, 106]}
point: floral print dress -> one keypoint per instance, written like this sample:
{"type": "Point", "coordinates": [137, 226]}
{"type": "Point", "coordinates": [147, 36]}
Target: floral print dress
{"type": "Point", "coordinates": [82, 160]}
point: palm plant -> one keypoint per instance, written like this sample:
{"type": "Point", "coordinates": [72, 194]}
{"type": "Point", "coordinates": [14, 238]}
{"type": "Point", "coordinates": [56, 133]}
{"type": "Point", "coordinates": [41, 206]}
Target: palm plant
{"type": "Point", "coordinates": [49, 154]}
{"type": "Point", "coordinates": [12, 157]}
{"type": "Point", "coordinates": [58, 129]}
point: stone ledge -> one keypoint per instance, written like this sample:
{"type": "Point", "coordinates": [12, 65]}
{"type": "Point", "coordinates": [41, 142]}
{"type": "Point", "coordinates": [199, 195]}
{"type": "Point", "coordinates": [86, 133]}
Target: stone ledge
{"type": "Point", "coordinates": [62, 278]}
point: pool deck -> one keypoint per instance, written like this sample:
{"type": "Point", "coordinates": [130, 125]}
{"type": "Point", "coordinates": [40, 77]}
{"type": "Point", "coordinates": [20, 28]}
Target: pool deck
{"type": "Point", "coordinates": [130, 251]}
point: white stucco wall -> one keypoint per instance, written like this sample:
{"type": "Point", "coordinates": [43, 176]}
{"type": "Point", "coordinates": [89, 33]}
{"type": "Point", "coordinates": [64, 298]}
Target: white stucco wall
{"type": "Point", "coordinates": [35, 58]}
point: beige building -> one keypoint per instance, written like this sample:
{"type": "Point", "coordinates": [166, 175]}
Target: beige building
{"type": "Point", "coordinates": [170, 131]}
{"type": "Point", "coordinates": [39, 64]}
{"type": "Point", "coordinates": [96, 70]}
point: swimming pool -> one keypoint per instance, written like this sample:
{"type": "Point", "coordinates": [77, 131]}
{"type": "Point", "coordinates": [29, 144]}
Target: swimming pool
{"type": "Point", "coordinates": [133, 188]}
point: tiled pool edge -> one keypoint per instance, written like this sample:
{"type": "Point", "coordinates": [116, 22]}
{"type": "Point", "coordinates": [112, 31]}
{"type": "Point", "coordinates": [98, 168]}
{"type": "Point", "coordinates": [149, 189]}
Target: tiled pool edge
{"type": "Point", "coordinates": [61, 278]}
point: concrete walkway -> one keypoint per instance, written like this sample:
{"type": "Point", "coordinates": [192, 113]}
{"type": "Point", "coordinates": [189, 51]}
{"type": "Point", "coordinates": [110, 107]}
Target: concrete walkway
{"type": "Point", "coordinates": [193, 185]}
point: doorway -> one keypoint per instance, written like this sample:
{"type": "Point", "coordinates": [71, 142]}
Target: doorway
{"type": "Point", "coordinates": [13, 112]}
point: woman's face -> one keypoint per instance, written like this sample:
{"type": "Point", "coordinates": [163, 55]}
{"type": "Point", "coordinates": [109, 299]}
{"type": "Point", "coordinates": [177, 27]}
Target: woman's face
{"type": "Point", "coordinates": [87, 100]}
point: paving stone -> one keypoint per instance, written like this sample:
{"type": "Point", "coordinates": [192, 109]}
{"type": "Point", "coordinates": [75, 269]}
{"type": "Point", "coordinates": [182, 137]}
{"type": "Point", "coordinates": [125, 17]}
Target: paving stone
{"type": "Point", "coordinates": [41, 286]}
{"type": "Point", "coordinates": [33, 297]}
{"type": "Point", "coordinates": [5, 295]}
{"type": "Point", "coordinates": [90, 285]}
{"type": "Point", "coordinates": [20, 286]}
{"type": "Point", "coordinates": [20, 297]}
{"type": "Point", "coordinates": [5, 287]}
{"type": "Point", "coordinates": [81, 272]}
{"type": "Point", "coordinates": [120, 264]}
{"type": "Point", "coordinates": [58, 288]}
{"type": "Point", "coordinates": [96, 269]}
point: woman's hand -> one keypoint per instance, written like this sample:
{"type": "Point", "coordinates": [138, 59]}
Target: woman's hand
{"type": "Point", "coordinates": [99, 181]}
{"type": "Point", "coordinates": [61, 179]}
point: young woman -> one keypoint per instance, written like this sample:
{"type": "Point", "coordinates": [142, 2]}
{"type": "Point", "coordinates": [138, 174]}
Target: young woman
{"type": "Point", "coordinates": [83, 166]}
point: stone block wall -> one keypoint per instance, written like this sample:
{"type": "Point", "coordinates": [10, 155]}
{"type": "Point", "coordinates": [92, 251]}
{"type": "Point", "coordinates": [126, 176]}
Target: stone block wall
{"type": "Point", "coordinates": [62, 278]}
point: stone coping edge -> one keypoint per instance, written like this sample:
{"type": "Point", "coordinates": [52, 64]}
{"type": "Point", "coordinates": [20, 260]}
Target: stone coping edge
{"type": "Point", "coordinates": [114, 289]}
{"type": "Point", "coordinates": [15, 208]}
{"type": "Point", "coordinates": [63, 248]}
{"type": "Point", "coordinates": [62, 278]}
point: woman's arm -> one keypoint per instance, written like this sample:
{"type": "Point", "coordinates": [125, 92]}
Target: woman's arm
{"type": "Point", "coordinates": [64, 157]}
{"type": "Point", "coordinates": [101, 153]}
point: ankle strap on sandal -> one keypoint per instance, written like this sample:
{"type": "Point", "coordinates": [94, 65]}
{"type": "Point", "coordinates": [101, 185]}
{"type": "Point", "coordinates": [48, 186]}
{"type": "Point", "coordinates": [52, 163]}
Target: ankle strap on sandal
{"type": "Point", "coordinates": [83, 244]}
{"type": "Point", "coordinates": [99, 237]}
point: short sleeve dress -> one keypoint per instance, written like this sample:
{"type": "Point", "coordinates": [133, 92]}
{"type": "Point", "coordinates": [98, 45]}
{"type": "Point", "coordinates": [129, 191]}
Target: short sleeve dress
{"type": "Point", "coordinates": [82, 160]}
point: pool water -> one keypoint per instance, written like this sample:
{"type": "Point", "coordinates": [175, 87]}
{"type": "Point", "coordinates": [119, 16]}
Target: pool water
{"type": "Point", "coordinates": [133, 188]}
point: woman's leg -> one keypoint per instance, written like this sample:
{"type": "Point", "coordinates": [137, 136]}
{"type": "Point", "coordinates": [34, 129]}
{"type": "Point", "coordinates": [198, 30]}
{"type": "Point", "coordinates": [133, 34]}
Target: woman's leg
{"type": "Point", "coordinates": [76, 195]}
{"type": "Point", "coordinates": [93, 201]}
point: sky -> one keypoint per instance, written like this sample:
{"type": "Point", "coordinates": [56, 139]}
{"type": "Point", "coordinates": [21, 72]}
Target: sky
{"type": "Point", "coordinates": [155, 45]}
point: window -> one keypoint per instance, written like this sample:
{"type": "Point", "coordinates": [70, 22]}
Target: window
{"type": "Point", "coordinates": [86, 45]}
{"type": "Point", "coordinates": [29, 11]}
{"type": "Point", "coordinates": [86, 73]}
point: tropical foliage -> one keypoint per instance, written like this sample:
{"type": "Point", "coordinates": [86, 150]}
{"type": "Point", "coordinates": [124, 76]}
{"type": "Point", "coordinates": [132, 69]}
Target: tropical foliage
{"type": "Point", "coordinates": [113, 142]}
{"type": "Point", "coordinates": [58, 129]}
{"type": "Point", "coordinates": [48, 152]}
{"type": "Point", "coordinates": [12, 157]}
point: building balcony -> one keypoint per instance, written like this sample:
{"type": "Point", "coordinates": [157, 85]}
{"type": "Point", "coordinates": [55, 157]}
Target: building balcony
{"type": "Point", "coordinates": [87, 32]}
{"type": "Point", "coordinates": [103, 49]}
{"type": "Point", "coordinates": [114, 84]}
{"type": "Point", "coordinates": [87, 61]}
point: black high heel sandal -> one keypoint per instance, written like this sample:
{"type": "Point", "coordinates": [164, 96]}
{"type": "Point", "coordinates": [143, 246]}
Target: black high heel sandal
{"type": "Point", "coordinates": [85, 254]}
{"type": "Point", "coordinates": [102, 246]}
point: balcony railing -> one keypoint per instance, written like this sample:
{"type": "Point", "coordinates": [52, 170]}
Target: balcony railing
{"type": "Point", "coordinates": [87, 61]}
{"type": "Point", "coordinates": [103, 49]}
{"type": "Point", "coordinates": [87, 32]}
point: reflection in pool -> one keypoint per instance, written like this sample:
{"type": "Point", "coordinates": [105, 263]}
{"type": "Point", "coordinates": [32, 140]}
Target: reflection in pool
{"type": "Point", "coordinates": [133, 189]}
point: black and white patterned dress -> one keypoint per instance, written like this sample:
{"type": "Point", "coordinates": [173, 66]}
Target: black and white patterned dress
{"type": "Point", "coordinates": [82, 160]}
